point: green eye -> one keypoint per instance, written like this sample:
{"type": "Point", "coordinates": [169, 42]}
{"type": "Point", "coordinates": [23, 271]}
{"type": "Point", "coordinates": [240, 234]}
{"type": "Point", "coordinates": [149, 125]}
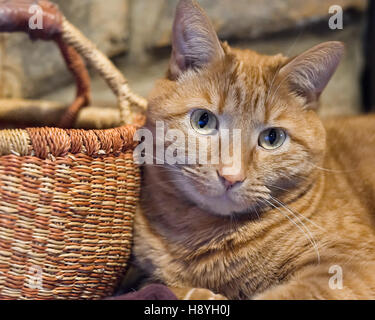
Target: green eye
{"type": "Point", "coordinates": [204, 122]}
{"type": "Point", "coordinates": [272, 138]}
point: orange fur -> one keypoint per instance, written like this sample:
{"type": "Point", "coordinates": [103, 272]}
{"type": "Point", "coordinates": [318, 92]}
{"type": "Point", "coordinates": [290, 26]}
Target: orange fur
{"type": "Point", "coordinates": [323, 179]}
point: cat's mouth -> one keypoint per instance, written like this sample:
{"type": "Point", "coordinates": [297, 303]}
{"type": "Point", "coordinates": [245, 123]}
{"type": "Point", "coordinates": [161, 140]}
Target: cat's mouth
{"type": "Point", "coordinates": [236, 201]}
{"type": "Point", "coordinates": [227, 206]}
{"type": "Point", "coordinates": [248, 214]}
{"type": "Point", "coordinates": [252, 212]}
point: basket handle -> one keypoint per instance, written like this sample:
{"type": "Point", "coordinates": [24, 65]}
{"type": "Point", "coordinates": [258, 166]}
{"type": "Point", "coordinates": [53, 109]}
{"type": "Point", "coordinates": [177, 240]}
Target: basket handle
{"type": "Point", "coordinates": [113, 77]}
{"type": "Point", "coordinates": [15, 17]}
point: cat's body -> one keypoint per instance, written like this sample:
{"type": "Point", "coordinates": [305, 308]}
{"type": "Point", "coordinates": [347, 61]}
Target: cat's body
{"type": "Point", "coordinates": [312, 200]}
{"type": "Point", "coordinates": [242, 258]}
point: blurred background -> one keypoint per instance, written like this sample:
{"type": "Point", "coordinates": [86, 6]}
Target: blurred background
{"type": "Point", "coordinates": [136, 35]}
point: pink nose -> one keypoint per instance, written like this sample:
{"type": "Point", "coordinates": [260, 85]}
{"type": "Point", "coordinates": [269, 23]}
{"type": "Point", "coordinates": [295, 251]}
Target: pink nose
{"type": "Point", "coordinates": [231, 180]}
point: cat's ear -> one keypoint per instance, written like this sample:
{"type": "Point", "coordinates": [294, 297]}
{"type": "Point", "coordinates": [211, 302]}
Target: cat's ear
{"type": "Point", "coordinates": [309, 73]}
{"type": "Point", "coordinates": [194, 41]}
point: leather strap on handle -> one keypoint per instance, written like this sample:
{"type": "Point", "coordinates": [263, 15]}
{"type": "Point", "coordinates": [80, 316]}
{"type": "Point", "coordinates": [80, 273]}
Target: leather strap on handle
{"type": "Point", "coordinates": [77, 67]}
{"type": "Point", "coordinates": [15, 16]}
{"type": "Point", "coordinates": [108, 71]}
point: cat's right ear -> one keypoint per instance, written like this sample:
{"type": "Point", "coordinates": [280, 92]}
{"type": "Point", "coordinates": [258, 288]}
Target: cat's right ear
{"type": "Point", "coordinates": [194, 41]}
{"type": "Point", "coordinates": [309, 73]}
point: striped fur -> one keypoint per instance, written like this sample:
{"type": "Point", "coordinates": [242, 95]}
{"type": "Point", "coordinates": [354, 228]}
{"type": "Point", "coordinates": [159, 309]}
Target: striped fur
{"type": "Point", "coordinates": [305, 207]}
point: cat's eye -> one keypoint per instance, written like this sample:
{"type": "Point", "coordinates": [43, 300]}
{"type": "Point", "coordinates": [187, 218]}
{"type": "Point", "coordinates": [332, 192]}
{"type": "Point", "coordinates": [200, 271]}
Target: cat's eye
{"type": "Point", "coordinates": [204, 121]}
{"type": "Point", "coordinates": [272, 138]}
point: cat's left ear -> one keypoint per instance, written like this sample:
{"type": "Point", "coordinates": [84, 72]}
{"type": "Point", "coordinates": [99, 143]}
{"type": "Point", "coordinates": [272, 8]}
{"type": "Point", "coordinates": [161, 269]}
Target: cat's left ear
{"type": "Point", "coordinates": [194, 40]}
{"type": "Point", "coordinates": [309, 73]}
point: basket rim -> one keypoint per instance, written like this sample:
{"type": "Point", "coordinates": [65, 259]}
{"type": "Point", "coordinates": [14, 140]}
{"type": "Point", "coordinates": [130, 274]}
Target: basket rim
{"type": "Point", "coordinates": [51, 142]}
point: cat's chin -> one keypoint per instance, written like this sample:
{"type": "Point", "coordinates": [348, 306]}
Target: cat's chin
{"type": "Point", "coordinates": [248, 213]}
{"type": "Point", "coordinates": [222, 205]}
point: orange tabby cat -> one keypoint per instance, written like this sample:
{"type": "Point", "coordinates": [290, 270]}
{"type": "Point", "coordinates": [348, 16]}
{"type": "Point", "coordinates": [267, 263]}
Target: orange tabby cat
{"type": "Point", "coordinates": [296, 221]}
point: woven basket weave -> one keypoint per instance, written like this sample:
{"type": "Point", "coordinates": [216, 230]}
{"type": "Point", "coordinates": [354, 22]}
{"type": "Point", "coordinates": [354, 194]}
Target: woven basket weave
{"type": "Point", "coordinates": [67, 196]}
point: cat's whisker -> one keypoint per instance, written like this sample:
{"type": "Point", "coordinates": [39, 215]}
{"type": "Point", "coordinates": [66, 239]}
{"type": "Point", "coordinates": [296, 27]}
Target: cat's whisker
{"type": "Point", "coordinates": [256, 211]}
{"type": "Point", "coordinates": [303, 230]}
{"type": "Point", "coordinates": [233, 221]}
{"type": "Point", "coordinates": [190, 170]}
{"type": "Point", "coordinates": [259, 195]}
{"type": "Point", "coordinates": [302, 227]}
{"type": "Point", "coordinates": [330, 170]}
{"type": "Point", "coordinates": [300, 215]}
{"type": "Point", "coordinates": [279, 188]}
{"type": "Point", "coordinates": [294, 176]}
{"type": "Point", "coordinates": [296, 213]}
{"type": "Point", "coordinates": [260, 188]}
{"type": "Point", "coordinates": [296, 194]}
{"type": "Point", "coordinates": [289, 210]}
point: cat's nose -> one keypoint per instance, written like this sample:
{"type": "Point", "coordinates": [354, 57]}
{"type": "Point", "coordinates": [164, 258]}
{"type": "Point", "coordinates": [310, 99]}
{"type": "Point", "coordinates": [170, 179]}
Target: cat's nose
{"type": "Point", "coordinates": [230, 181]}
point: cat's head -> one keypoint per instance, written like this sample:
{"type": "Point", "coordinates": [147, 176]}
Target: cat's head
{"type": "Point", "coordinates": [272, 100]}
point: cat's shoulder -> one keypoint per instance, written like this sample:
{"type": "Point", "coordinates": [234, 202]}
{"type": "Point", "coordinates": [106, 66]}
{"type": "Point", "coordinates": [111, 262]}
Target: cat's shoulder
{"type": "Point", "coordinates": [355, 122]}
{"type": "Point", "coordinates": [355, 133]}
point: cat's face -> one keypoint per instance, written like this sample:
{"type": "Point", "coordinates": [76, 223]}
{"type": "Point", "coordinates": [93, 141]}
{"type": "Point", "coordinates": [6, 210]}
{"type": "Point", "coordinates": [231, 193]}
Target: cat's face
{"type": "Point", "coordinates": [269, 100]}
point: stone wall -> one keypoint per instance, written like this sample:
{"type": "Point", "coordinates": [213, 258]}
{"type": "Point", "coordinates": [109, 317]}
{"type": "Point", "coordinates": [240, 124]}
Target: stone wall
{"type": "Point", "coordinates": [139, 30]}
{"type": "Point", "coordinates": [233, 19]}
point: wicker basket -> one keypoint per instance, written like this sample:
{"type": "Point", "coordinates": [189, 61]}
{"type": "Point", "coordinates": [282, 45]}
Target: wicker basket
{"type": "Point", "coordinates": [67, 196]}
